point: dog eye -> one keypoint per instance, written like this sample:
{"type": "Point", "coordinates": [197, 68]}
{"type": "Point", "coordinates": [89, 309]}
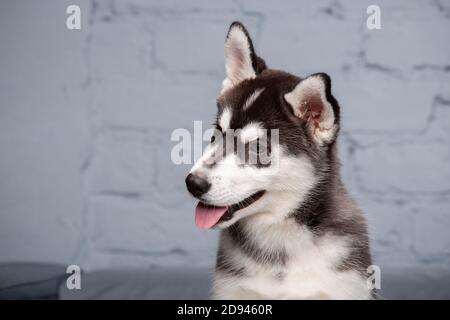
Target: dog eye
{"type": "Point", "coordinates": [217, 133]}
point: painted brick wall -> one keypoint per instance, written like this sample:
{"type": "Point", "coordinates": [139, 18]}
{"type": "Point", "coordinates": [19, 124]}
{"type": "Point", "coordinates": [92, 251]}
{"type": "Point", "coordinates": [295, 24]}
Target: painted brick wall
{"type": "Point", "coordinates": [86, 118]}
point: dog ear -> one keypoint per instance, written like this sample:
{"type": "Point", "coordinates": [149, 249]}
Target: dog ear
{"type": "Point", "coordinates": [312, 101]}
{"type": "Point", "coordinates": [241, 62]}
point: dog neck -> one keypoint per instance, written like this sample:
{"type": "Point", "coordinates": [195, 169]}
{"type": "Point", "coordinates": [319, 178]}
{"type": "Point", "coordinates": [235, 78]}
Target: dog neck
{"type": "Point", "coordinates": [316, 209]}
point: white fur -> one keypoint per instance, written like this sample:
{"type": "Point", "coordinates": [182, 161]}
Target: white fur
{"type": "Point", "coordinates": [252, 131]}
{"type": "Point", "coordinates": [226, 84]}
{"type": "Point", "coordinates": [201, 163]}
{"type": "Point", "coordinates": [225, 119]}
{"type": "Point", "coordinates": [286, 181]}
{"type": "Point", "coordinates": [252, 98]}
{"type": "Point", "coordinates": [310, 271]}
{"type": "Point", "coordinates": [297, 97]}
{"type": "Point", "coordinates": [238, 63]}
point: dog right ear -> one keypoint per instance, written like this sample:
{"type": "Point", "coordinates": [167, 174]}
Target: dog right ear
{"type": "Point", "coordinates": [241, 62]}
{"type": "Point", "coordinates": [312, 102]}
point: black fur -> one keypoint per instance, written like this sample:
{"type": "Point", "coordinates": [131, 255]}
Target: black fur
{"type": "Point", "coordinates": [249, 247]}
{"type": "Point", "coordinates": [321, 211]}
{"type": "Point", "coordinates": [258, 64]}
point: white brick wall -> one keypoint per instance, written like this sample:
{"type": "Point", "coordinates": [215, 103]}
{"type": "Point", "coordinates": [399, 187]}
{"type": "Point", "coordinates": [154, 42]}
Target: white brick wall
{"type": "Point", "coordinates": [86, 119]}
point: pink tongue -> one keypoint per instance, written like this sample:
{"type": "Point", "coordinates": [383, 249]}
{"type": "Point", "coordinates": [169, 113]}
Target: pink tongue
{"type": "Point", "coordinates": [206, 217]}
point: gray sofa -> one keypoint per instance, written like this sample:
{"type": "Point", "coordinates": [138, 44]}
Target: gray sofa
{"type": "Point", "coordinates": [44, 281]}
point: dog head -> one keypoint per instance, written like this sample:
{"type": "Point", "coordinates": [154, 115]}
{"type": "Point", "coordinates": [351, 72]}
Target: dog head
{"type": "Point", "coordinates": [271, 143]}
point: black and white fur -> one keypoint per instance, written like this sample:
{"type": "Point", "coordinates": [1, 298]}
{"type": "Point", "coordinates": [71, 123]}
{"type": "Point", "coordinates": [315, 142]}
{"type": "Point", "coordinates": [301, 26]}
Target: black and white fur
{"type": "Point", "coordinates": [305, 238]}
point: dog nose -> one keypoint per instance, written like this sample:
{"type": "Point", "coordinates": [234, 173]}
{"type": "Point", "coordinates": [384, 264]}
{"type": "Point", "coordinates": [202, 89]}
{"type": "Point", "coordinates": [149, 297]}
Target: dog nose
{"type": "Point", "coordinates": [197, 186]}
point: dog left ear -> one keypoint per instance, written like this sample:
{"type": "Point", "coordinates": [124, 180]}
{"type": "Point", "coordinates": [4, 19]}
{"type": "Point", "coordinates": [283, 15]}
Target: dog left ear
{"type": "Point", "coordinates": [311, 101]}
{"type": "Point", "coordinates": [241, 61]}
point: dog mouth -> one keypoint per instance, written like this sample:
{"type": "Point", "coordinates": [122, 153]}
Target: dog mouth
{"type": "Point", "coordinates": [207, 216]}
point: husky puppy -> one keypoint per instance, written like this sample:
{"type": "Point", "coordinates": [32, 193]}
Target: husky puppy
{"type": "Point", "coordinates": [289, 229]}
